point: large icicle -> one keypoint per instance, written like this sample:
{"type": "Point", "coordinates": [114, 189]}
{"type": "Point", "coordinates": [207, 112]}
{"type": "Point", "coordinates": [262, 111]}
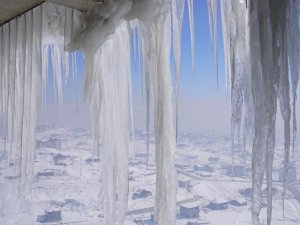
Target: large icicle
{"type": "Point", "coordinates": [293, 54]}
{"type": "Point", "coordinates": [261, 41]}
{"type": "Point", "coordinates": [177, 17]}
{"type": "Point", "coordinates": [109, 89]}
{"type": "Point", "coordinates": [264, 99]}
{"type": "Point", "coordinates": [237, 68]}
{"type": "Point", "coordinates": [24, 68]}
{"type": "Point", "coordinates": [280, 57]}
{"type": "Point", "coordinates": [158, 44]}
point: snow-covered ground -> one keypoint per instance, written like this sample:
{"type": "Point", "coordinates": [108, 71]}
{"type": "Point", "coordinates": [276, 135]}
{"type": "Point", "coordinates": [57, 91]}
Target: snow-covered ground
{"type": "Point", "coordinates": [67, 183]}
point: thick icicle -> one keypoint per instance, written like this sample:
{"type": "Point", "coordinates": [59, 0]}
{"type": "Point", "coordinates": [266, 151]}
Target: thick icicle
{"type": "Point", "coordinates": [264, 98]}
{"type": "Point", "coordinates": [280, 57]}
{"type": "Point", "coordinates": [158, 38]}
{"type": "Point", "coordinates": [24, 67]}
{"type": "Point", "coordinates": [257, 47]}
{"type": "Point", "coordinates": [110, 99]}
{"type": "Point", "coordinates": [293, 54]}
{"type": "Point", "coordinates": [177, 17]}
{"type": "Point", "coordinates": [236, 62]}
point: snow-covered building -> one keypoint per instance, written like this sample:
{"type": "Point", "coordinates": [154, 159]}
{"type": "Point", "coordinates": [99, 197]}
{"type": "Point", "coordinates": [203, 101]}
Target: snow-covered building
{"type": "Point", "coordinates": [189, 210]}
{"type": "Point", "coordinates": [50, 143]}
{"type": "Point", "coordinates": [141, 193]}
{"type": "Point", "coordinates": [237, 202]}
{"type": "Point", "coordinates": [291, 176]}
{"type": "Point", "coordinates": [214, 159]}
{"type": "Point", "coordinates": [50, 217]}
{"type": "Point", "coordinates": [217, 205]}
{"type": "Point", "coordinates": [295, 190]}
{"type": "Point", "coordinates": [42, 127]}
{"type": "Point", "coordinates": [237, 170]}
{"type": "Point", "coordinates": [205, 168]}
{"type": "Point", "coordinates": [185, 183]}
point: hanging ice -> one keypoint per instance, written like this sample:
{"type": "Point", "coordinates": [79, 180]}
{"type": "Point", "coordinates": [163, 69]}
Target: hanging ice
{"type": "Point", "coordinates": [109, 90]}
{"type": "Point", "coordinates": [26, 43]}
{"type": "Point", "coordinates": [192, 32]}
{"type": "Point", "coordinates": [212, 15]}
{"type": "Point", "coordinates": [158, 44]}
{"type": "Point", "coordinates": [155, 38]}
{"type": "Point", "coordinates": [177, 17]}
{"type": "Point", "coordinates": [261, 59]}
{"type": "Point", "coordinates": [261, 40]}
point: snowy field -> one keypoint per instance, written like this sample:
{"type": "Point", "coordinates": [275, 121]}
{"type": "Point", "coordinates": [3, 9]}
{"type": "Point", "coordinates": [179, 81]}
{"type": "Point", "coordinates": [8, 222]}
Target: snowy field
{"type": "Point", "coordinates": [67, 183]}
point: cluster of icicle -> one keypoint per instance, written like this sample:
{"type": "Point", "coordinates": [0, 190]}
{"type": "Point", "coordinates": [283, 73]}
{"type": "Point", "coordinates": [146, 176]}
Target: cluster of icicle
{"type": "Point", "coordinates": [26, 44]}
{"type": "Point", "coordinates": [262, 56]}
{"type": "Point", "coordinates": [261, 59]}
{"type": "Point", "coordinates": [33, 45]}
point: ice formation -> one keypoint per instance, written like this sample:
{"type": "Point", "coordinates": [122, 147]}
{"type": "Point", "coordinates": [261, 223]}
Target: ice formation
{"type": "Point", "coordinates": [213, 15]}
{"type": "Point", "coordinates": [261, 59]}
{"type": "Point", "coordinates": [192, 31]}
{"type": "Point", "coordinates": [26, 45]}
{"type": "Point", "coordinates": [177, 17]}
{"type": "Point", "coordinates": [109, 91]}
{"type": "Point", "coordinates": [257, 47]}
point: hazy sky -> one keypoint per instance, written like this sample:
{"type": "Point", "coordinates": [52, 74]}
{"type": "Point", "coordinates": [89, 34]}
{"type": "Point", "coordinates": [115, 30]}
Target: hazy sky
{"type": "Point", "coordinates": [203, 106]}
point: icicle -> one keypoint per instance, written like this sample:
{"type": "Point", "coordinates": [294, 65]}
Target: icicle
{"type": "Point", "coordinates": [236, 61]}
{"type": "Point", "coordinates": [158, 38]}
{"type": "Point", "coordinates": [213, 14]}
{"type": "Point", "coordinates": [131, 114]}
{"type": "Point", "coordinates": [142, 40]}
{"type": "Point", "coordinates": [45, 70]}
{"type": "Point", "coordinates": [110, 95]}
{"type": "Point", "coordinates": [192, 32]}
{"type": "Point", "coordinates": [293, 54]}
{"type": "Point", "coordinates": [177, 17]}
{"type": "Point", "coordinates": [31, 95]}
{"type": "Point", "coordinates": [264, 61]}
{"type": "Point", "coordinates": [140, 61]}
{"type": "Point", "coordinates": [68, 32]}
{"type": "Point", "coordinates": [281, 70]}
{"type": "Point", "coordinates": [23, 73]}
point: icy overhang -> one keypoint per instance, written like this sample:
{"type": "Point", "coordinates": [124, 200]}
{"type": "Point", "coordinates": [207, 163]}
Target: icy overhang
{"type": "Point", "coordinates": [13, 8]}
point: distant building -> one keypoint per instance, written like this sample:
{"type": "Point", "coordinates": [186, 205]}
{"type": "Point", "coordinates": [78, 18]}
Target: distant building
{"type": "Point", "coordinates": [238, 170]}
{"type": "Point", "coordinates": [291, 176]}
{"type": "Point", "coordinates": [185, 183]}
{"type": "Point", "coordinates": [182, 145]}
{"type": "Point", "coordinates": [50, 143]}
{"type": "Point", "coordinates": [182, 165]}
{"type": "Point", "coordinates": [189, 210]}
{"type": "Point", "coordinates": [141, 193]}
{"type": "Point", "coordinates": [47, 174]}
{"type": "Point", "coordinates": [41, 128]}
{"type": "Point", "coordinates": [50, 217]}
{"type": "Point", "coordinates": [217, 205]}
{"type": "Point", "coordinates": [62, 160]}
{"type": "Point", "coordinates": [237, 202]}
{"type": "Point", "coordinates": [213, 159]}
{"type": "Point", "coordinates": [194, 223]}
{"type": "Point", "coordinates": [295, 190]}
{"type": "Point", "coordinates": [205, 168]}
